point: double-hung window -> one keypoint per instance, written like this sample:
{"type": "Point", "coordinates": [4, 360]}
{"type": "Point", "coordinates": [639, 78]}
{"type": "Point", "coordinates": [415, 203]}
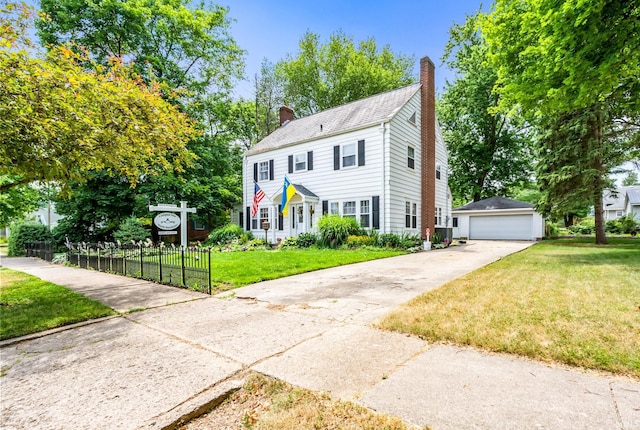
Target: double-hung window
{"type": "Point", "coordinates": [349, 155]}
{"type": "Point", "coordinates": [365, 211]}
{"type": "Point", "coordinates": [411, 157]}
{"type": "Point", "coordinates": [349, 209]}
{"type": "Point", "coordinates": [263, 171]}
{"type": "Point", "coordinates": [300, 162]}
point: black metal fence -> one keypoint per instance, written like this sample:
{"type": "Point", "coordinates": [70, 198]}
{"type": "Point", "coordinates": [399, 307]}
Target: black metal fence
{"type": "Point", "coordinates": [41, 248]}
{"type": "Point", "coordinates": [188, 268]}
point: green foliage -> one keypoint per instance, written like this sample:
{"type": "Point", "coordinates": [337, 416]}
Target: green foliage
{"type": "Point", "coordinates": [334, 230]}
{"type": "Point", "coordinates": [625, 225]}
{"type": "Point", "coordinates": [586, 226]}
{"type": "Point", "coordinates": [17, 201]}
{"type": "Point", "coordinates": [321, 76]}
{"type": "Point", "coordinates": [389, 240]}
{"type": "Point", "coordinates": [106, 118]}
{"type": "Point", "coordinates": [489, 151]}
{"type": "Point", "coordinates": [26, 232]}
{"type": "Point", "coordinates": [360, 241]}
{"type": "Point", "coordinates": [227, 234]}
{"type": "Point", "coordinates": [131, 229]}
{"type": "Point", "coordinates": [306, 240]}
{"type": "Point", "coordinates": [183, 44]}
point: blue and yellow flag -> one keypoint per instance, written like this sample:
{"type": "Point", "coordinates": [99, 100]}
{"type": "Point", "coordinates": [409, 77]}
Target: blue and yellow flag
{"type": "Point", "coordinates": [288, 191]}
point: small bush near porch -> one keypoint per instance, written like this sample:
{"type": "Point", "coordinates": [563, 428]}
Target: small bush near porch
{"type": "Point", "coordinates": [569, 301]}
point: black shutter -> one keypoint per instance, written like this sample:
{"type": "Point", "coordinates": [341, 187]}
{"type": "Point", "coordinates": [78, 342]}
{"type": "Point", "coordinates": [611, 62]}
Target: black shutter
{"type": "Point", "coordinates": [361, 153]}
{"type": "Point", "coordinates": [325, 207]}
{"type": "Point", "coordinates": [290, 163]}
{"type": "Point", "coordinates": [255, 172]}
{"type": "Point", "coordinates": [248, 218]}
{"type": "Point", "coordinates": [310, 160]}
{"type": "Point", "coordinates": [240, 220]}
{"type": "Point", "coordinates": [336, 157]}
{"type": "Point", "coordinates": [375, 202]}
{"type": "Point", "coordinates": [271, 170]}
{"type": "Point", "coordinates": [280, 218]}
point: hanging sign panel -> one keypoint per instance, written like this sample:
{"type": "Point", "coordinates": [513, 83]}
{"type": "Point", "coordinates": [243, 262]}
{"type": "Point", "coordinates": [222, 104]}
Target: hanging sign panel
{"type": "Point", "coordinates": [166, 221]}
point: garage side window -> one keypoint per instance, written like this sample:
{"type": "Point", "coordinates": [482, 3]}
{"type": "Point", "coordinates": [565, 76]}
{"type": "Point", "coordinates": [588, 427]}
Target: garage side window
{"type": "Point", "coordinates": [455, 221]}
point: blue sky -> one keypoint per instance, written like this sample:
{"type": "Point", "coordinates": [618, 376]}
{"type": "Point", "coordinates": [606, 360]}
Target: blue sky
{"type": "Point", "coordinates": [272, 29]}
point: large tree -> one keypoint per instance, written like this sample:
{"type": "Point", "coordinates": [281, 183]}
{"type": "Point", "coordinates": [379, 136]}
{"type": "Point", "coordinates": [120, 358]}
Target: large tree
{"type": "Point", "coordinates": [489, 151]}
{"type": "Point", "coordinates": [186, 45]}
{"type": "Point", "coordinates": [321, 76]}
{"type": "Point", "coordinates": [60, 121]}
{"type": "Point", "coordinates": [572, 67]}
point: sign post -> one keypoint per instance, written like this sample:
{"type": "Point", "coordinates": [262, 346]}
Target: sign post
{"type": "Point", "coordinates": [168, 222]}
{"type": "Point", "coordinates": [427, 243]}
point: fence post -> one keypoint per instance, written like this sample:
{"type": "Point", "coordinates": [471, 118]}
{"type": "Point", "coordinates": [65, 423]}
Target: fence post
{"type": "Point", "coordinates": [141, 263]}
{"type": "Point", "coordinates": [160, 261]}
{"type": "Point", "coordinates": [209, 268]}
{"type": "Point", "coordinates": [124, 261]}
{"type": "Point", "coordinates": [184, 274]}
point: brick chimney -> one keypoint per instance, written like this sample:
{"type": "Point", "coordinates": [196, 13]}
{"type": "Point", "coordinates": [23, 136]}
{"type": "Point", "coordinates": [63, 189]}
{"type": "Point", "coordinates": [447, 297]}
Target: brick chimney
{"type": "Point", "coordinates": [286, 114]}
{"type": "Point", "coordinates": [428, 145]}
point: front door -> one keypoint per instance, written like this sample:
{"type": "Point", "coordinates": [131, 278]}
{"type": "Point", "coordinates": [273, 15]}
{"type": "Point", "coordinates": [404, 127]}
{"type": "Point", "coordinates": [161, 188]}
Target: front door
{"type": "Point", "coordinates": [296, 214]}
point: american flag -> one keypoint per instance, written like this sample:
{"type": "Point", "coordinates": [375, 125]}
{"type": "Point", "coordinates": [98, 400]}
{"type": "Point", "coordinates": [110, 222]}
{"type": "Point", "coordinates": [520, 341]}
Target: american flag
{"type": "Point", "coordinates": [257, 198]}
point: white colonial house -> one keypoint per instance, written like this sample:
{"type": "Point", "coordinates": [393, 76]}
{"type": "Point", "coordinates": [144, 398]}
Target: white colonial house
{"type": "Point", "coordinates": [381, 160]}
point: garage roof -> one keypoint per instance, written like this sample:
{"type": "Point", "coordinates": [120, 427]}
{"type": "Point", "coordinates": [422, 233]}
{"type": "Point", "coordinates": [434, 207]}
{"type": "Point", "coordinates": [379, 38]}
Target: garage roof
{"type": "Point", "coordinates": [494, 203]}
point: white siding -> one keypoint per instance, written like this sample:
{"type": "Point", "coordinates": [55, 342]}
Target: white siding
{"type": "Point", "coordinates": [404, 183]}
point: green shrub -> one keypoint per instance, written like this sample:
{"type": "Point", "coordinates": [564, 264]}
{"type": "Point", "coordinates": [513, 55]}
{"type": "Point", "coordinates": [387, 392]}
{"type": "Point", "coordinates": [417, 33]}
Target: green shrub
{"type": "Point", "coordinates": [613, 226]}
{"type": "Point", "coordinates": [359, 241]}
{"type": "Point", "coordinates": [289, 242]}
{"type": "Point", "coordinates": [306, 240]}
{"type": "Point", "coordinates": [586, 226]}
{"type": "Point", "coordinates": [410, 242]}
{"type": "Point", "coordinates": [131, 229]}
{"type": "Point", "coordinates": [389, 240]}
{"type": "Point", "coordinates": [26, 232]}
{"type": "Point", "coordinates": [628, 224]}
{"type": "Point", "coordinates": [334, 230]}
{"type": "Point", "coordinates": [227, 234]}
{"type": "Point", "coordinates": [436, 239]}
{"type": "Point", "coordinates": [552, 230]}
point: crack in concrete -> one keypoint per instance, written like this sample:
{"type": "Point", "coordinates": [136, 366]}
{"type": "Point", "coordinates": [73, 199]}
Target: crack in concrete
{"type": "Point", "coordinates": [615, 405]}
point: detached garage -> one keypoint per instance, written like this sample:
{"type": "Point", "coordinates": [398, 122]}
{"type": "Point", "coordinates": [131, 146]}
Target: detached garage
{"type": "Point", "coordinates": [497, 218]}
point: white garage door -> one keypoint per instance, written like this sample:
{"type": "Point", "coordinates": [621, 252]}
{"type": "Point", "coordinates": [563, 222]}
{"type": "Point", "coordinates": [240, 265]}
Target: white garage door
{"type": "Point", "coordinates": [504, 227]}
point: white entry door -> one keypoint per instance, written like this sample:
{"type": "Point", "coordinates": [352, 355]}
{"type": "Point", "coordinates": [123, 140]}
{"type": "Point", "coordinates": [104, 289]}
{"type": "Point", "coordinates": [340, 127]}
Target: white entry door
{"type": "Point", "coordinates": [296, 217]}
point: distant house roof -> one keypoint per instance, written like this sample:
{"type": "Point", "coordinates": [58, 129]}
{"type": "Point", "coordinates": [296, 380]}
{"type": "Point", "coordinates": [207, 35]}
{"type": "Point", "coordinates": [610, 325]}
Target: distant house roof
{"type": "Point", "coordinates": [613, 200]}
{"type": "Point", "coordinates": [493, 203]}
{"type": "Point", "coordinates": [634, 195]}
{"type": "Point", "coordinates": [351, 116]}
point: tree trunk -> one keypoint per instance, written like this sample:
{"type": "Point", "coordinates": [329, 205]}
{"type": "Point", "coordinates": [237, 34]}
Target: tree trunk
{"type": "Point", "coordinates": [601, 238]}
{"type": "Point", "coordinates": [568, 220]}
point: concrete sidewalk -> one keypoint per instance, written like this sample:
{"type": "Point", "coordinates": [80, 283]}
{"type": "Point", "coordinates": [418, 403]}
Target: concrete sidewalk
{"type": "Point", "coordinates": [148, 369]}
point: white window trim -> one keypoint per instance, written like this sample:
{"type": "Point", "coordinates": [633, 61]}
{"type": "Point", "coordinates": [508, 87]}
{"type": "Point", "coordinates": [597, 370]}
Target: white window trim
{"type": "Point", "coordinates": [295, 162]}
{"type": "Point", "coordinates": [343, 156]}
{"type": "Point", "coordinates": [260, 171]}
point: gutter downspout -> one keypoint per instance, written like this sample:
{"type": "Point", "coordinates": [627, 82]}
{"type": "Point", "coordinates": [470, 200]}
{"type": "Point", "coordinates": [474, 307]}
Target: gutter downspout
{"type": "Point", "coordinates": [384, 179]}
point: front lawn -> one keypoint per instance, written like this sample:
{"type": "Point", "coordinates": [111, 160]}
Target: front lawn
{"type": "Point", "coordinates": [562, 300]}
{"type": "Point", "coordinates": [29, 305]}
{"type": "Point", "coordinates": [236, 269]}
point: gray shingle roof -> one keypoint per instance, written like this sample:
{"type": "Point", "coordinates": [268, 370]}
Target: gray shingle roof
{"type": "Point", "coordinates": [634, 195]}
{"type": "Point", "coordinates": [494, 203]}
{"type": "Point", "coordinates": [304, 190]}
{"type": "Point", "coordinates": [354, 115]}
{"type": "Point", "coordinates": [614, 199]}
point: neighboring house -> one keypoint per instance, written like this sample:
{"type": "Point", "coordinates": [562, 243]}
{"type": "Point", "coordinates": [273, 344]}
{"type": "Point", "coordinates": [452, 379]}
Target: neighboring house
{"type": "Point", "coordinates": [621, 201]}
{"type": "Point", "coordinates": [632, 202]}
{"type": "Point", "coordinates": [381, 160]}
{"type": "Point", "coordinates": [497, 218]}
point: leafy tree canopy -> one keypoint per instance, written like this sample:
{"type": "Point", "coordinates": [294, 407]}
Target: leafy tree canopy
{"type": "Point", "coordinates": [183, 44]}
{"type": "Point", "coordinates": [321, 76]}
{"type": "Point", "coordinates": [60, 121]}
{"type": "Point", "coordinates": [489, 152]}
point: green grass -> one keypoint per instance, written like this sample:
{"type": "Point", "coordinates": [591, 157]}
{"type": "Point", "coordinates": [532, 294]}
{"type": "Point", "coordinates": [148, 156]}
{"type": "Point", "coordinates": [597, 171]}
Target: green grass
{"type": "Point", "coordinates": [563, 300]}
{"type": "Point", "coordinates": [236, 269]}
{"type": "Point", "coordinates": [29, 305]}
